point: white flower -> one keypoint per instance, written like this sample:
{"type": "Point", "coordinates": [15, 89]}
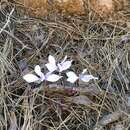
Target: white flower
{"type": "Point", "coordinates": [52, 77]}
{"type": "Point", "coordinates": [64, 65]}
{"type": "Point", "coordinates": [52, 66]}
{"type": "Point", "coordinates": [72, 77]}
{"type": "Point", "coordinates": [40, 76]}
{"type": "Point", "coordinates": [33, 78]}
{"type": "Point", "coordinates": [86, 78]}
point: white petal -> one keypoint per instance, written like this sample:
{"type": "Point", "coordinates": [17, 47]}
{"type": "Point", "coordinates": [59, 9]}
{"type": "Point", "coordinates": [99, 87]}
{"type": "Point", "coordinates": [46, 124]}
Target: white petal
{"type": "Point", "coordinates": [53, 77]}
{"type": "Point", "coordinates": [87, 78]}
{"type": "Point", "coordinates": [51, 67]}
{"type": "Point", "coordinates": [84, 71]}
{"type": "Point", "coordinates": [51, 59]}
{"type": "Point", "coordinates": [70, 74]}
{"type": "Point", "coordinates": [64, 66]}
{"type": "Point", "coordinates": [30, 78]}
{"type": "Point", "coordinates": [72, 77]}
{"type": "Point", "coordinates": [38, 70]}
{"type": "Point", "coordinates": [42, 77]}
{"type": "Point", "coordinates": [59, 67]}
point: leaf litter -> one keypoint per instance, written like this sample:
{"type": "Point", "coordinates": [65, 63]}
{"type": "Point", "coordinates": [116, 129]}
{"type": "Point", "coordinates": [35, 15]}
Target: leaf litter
{"type": "Point", "coordinates": [92, 43]}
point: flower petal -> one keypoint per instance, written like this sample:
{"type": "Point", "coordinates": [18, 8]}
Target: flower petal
{"type": "Point", "coordinates": [30, 78]}
{"type": "Point", "coordinates": [87, 78]}
{"type": "Point", "coordinates": [64, 66]}
{"type": "Point", "coordinates": [37, 70]}
{"type": "Point", "coordinates": [70, 74]}
{"type": "Point", "coordinates": [42, 77]}
{"type": "Point", "coordinates": [51, 59]}
{"type": "Point", "coordinates": [72, 77]}
{"type": "Point", "coordinates": [51, 67]}
{"type": "Point", "coordinates": [84, 71]}
{"type": "Point", "coordinates": [53, 77]}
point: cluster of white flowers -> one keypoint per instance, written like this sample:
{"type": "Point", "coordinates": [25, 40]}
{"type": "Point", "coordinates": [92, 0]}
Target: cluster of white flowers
{"type": "Point", "coordinates": [52, 67]}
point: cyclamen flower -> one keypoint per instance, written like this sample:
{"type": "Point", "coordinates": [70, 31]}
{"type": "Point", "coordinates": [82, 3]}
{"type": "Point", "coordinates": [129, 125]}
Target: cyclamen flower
{"type": "Point", "coordinates": [64, 65]}
{"type": "Point", "coordinates": [40, 76]}
{"type": "Point", "coordinates": [72, 77]}
{"type": "Point", "coordinates": [52, 66]}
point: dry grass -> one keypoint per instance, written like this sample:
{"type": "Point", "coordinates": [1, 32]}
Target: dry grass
{"type": "Point", "coordinates": [101, 46]}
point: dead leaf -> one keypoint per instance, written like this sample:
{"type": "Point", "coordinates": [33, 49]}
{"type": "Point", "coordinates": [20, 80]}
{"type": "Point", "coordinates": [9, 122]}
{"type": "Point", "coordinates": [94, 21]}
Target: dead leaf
{"type": "Point", "coordinates": [110, 118]}
{"type": "Point", "coordinates": [22, 64]}
{"type": "Point", "coordinates": [91, 90]}
{"type": "Point", "coordinates": [81, 100]}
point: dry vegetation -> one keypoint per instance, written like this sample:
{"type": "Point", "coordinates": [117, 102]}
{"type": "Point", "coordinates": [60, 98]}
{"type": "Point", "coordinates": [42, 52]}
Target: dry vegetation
{"type": "Point", "coordinates": [100, 43]}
